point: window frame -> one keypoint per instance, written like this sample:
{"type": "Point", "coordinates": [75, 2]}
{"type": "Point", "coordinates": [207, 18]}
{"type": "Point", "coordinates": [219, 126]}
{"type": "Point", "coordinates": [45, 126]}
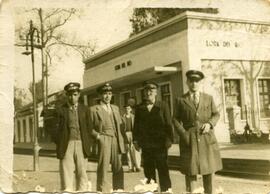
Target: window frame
{"type": "Point", "coordinates": [137, 93]}
{"type": "Point", "coordinates": [120, 96]}
{"type": "Point", "coordinates": [171, 97]}
{"type": "Point", "coordinates": [242, 92]}
{"type": "Point", "coordinates": [258, 97]}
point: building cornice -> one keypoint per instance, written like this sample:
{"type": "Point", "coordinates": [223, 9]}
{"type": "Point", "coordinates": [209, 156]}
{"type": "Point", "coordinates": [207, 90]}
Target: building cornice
{"type": "Point", "coordinates": [96, 59]}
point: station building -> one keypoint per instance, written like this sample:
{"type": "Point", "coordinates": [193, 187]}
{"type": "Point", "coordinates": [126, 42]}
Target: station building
{"type": "Point", "coordinates": [232, 53]}
{"type": "Point", "coordinates": [24, 120]}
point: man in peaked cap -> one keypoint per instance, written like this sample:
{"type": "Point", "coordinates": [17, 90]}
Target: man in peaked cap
{"type": "Point", "coordinates": [73, 140]}
{"type": "Point", "coordinates": [106, 127]}
{"type": "Point", "coordinates": [153, 134]}
{"type": "Point", "coordinates": [72, 86]}
{"type": "Point", "coordinates": [195, 118]}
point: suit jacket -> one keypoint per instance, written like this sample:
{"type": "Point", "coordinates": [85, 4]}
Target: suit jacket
{"type": "Point", "coordinates": [125, 124]}
{"type": "Point", "coordinates": [61, 136]}
{"type": "Point", "coordinates": [152, 129]}
{"type": "Point", "coordinates": [199, 153]}
{"type": "Point", "coordinates": [98, 127]}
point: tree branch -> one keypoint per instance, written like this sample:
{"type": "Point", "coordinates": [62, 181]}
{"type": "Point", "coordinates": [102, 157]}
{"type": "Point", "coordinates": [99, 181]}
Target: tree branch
{"type": "Point", "coordinates": [260, 69]}
{"type": "Point", "coordinates": [82, 49]}
{"type": "Point", "coordinates": [47, 51]}
{"type": "Point", "coordinates": [56, 11]}
{"type": "Point", "coordinates": [52, 28]}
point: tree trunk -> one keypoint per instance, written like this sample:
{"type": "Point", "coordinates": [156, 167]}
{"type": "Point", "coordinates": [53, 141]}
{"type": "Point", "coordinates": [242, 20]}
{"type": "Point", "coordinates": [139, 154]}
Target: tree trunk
{"type": "Point", "coordinates": [254, 108]}
{"type": "Point", "coordinates": [6, 96]}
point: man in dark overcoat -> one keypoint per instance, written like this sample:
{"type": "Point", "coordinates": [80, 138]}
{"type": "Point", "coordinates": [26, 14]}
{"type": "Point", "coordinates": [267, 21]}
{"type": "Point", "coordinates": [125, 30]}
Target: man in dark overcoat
{"type": "Point", "coordinates": [106, 125]}
{"type": "Point", "coordinates": [73, 140]}
{"type": "Point", "coordinates": [153, 134]}
{"type": "Point", "coordinates": [195, 118]}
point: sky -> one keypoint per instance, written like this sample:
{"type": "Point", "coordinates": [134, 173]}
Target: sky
{"type": "Point", "coordinates": [107, 23]}
{"type": "Point", "coordinates": [104, 23]}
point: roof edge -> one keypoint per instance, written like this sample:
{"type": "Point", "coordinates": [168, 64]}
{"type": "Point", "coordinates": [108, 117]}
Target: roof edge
{"type": "Point", "coordinates": [180, 17]}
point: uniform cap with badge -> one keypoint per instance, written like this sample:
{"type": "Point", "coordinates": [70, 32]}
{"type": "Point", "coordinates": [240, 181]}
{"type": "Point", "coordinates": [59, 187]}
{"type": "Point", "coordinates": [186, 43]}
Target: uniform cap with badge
{"type": "Point", "coordinates": [194, 75]}
{"type": "Point", "coordinates": [72, 87]}
{"type": "Point", "coordinates": [150, 85]}
{"type": "Point", "coordinates": [104, 88]}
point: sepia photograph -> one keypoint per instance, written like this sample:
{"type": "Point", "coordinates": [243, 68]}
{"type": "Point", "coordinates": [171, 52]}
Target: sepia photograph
{"type": "Point", "coordinates": [135, 96]}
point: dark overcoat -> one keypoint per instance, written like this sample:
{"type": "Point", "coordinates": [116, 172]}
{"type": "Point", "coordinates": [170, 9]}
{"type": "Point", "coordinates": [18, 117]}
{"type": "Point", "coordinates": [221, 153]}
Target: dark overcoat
{"type": "Point", "coordinates": [199, 153]}
{"type": "Point", "coordinates": [97, 124]}
{"type": "Point", "coordinates": [152, 129]}
{"type": "Point", "coordinates": [61, 135]}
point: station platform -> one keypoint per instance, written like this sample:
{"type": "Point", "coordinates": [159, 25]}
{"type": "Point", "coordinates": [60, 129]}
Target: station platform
{"type": "Point", "coordinates": [244, 160]}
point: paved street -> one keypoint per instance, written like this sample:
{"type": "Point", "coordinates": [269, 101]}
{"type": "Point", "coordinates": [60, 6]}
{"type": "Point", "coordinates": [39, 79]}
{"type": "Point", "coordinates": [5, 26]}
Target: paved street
{"type": "Point", "coordinates": [48, 177]}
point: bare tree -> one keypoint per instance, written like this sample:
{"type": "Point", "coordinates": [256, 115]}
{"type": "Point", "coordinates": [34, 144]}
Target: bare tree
{"type": "Point", "coordinates": [251, 70]}
{"type": "Point", "coordinates": [50, 23]}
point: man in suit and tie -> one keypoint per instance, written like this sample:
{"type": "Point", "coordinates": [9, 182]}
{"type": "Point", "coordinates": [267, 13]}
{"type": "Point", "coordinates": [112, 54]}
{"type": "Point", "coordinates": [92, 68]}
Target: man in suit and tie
{"type": "Point", "coordinates": [195, 118]}
{"type": "Point", "coordinates": [153, 134]}
{"type": "Point", "coordinates": [73, 140]}
{"type": "Point", "coordinates": [106, 128]}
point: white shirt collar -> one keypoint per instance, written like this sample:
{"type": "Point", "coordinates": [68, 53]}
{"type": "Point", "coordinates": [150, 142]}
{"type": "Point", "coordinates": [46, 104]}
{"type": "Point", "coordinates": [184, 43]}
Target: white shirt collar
{"type": "Point", "coordinates": [104, 104]}
{"type": "Point", "coordinates": [75, 106]}
{"type": "Point", "coordinates": [192, 93]}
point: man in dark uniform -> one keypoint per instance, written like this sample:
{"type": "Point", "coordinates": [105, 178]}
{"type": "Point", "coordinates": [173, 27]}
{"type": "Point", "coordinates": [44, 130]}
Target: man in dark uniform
{"type": "Point", "coordinates": [106, 128]}
{"type": "Point", "coordinates": [73, 140]}
{"type": "Point", "coordinates": [195, 118]}
{"type": "Point", "coordinates": [154, 135]}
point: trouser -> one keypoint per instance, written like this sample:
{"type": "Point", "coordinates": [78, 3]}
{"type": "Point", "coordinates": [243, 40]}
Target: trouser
{"type": "Point", "coordinates": [74, 161]}
{"type": "Point", "coordinates": [133, 156]}
{"type": "Point", "coordinates": [108, 150]}
{"type": "Point", "coordinates": [207, 183]}
{"type": "Point", "coordinates": [156, 158]}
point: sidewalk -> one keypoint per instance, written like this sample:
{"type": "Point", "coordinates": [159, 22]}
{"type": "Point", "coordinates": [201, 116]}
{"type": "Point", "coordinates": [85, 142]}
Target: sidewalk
{"type": "Point", "coordinates": [242, 160]}
{"type": "Point", "coordinates": [29, 146]}
{"type": "Point", "coordinates": [48, 177]}
{"type": "Point", "coordinates": [239, 151]}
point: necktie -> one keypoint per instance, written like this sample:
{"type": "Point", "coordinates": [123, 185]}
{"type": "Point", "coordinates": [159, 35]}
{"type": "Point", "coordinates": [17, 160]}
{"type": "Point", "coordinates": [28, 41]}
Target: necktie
{"type": "Point", "coordinates": [196, 99]}
{"type": "Point", "coordinates": [108, 108]}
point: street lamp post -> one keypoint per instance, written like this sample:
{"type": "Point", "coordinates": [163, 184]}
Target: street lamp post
{"type": "Point", "coordinates": [30, 37]}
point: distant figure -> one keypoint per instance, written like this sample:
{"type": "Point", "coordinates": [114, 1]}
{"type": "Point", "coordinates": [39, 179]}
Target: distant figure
{"type": "Point", "coordinates": [153, 134]}
{"type": "Point", "coordinates": [195, 118]}
{"type": "Point", "coordinates": [73, 140]}
{"type": "Point", "coordinates": [106, 124]}
{"type": "Point", "coordinates": [133, 156]}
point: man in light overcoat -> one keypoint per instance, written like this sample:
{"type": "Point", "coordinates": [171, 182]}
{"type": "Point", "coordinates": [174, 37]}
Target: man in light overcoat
{"type": "Point", "coordinates": [106, 128]}
{"type": "Point", "coordinates": [195, 118]}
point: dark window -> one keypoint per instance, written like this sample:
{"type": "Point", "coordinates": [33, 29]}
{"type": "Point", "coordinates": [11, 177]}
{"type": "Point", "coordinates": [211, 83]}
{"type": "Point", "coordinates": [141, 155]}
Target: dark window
{"type": "Point", "coordinates": [31, 129]}
{"type": "Point", "coordinates": [129, 63]}
{"type": "Point", "coordinates": [264, 93]}
{"type": "Point", "coordinates": [117, 67]}
{"type": "Point", "coordinates": [24, 129]}
{"type": "Point", "coordinates": [166, 94]}
{"type": "Point", "coordinates": [19, 130]}
{"type": "Point", "coordinates": [124, 98]}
